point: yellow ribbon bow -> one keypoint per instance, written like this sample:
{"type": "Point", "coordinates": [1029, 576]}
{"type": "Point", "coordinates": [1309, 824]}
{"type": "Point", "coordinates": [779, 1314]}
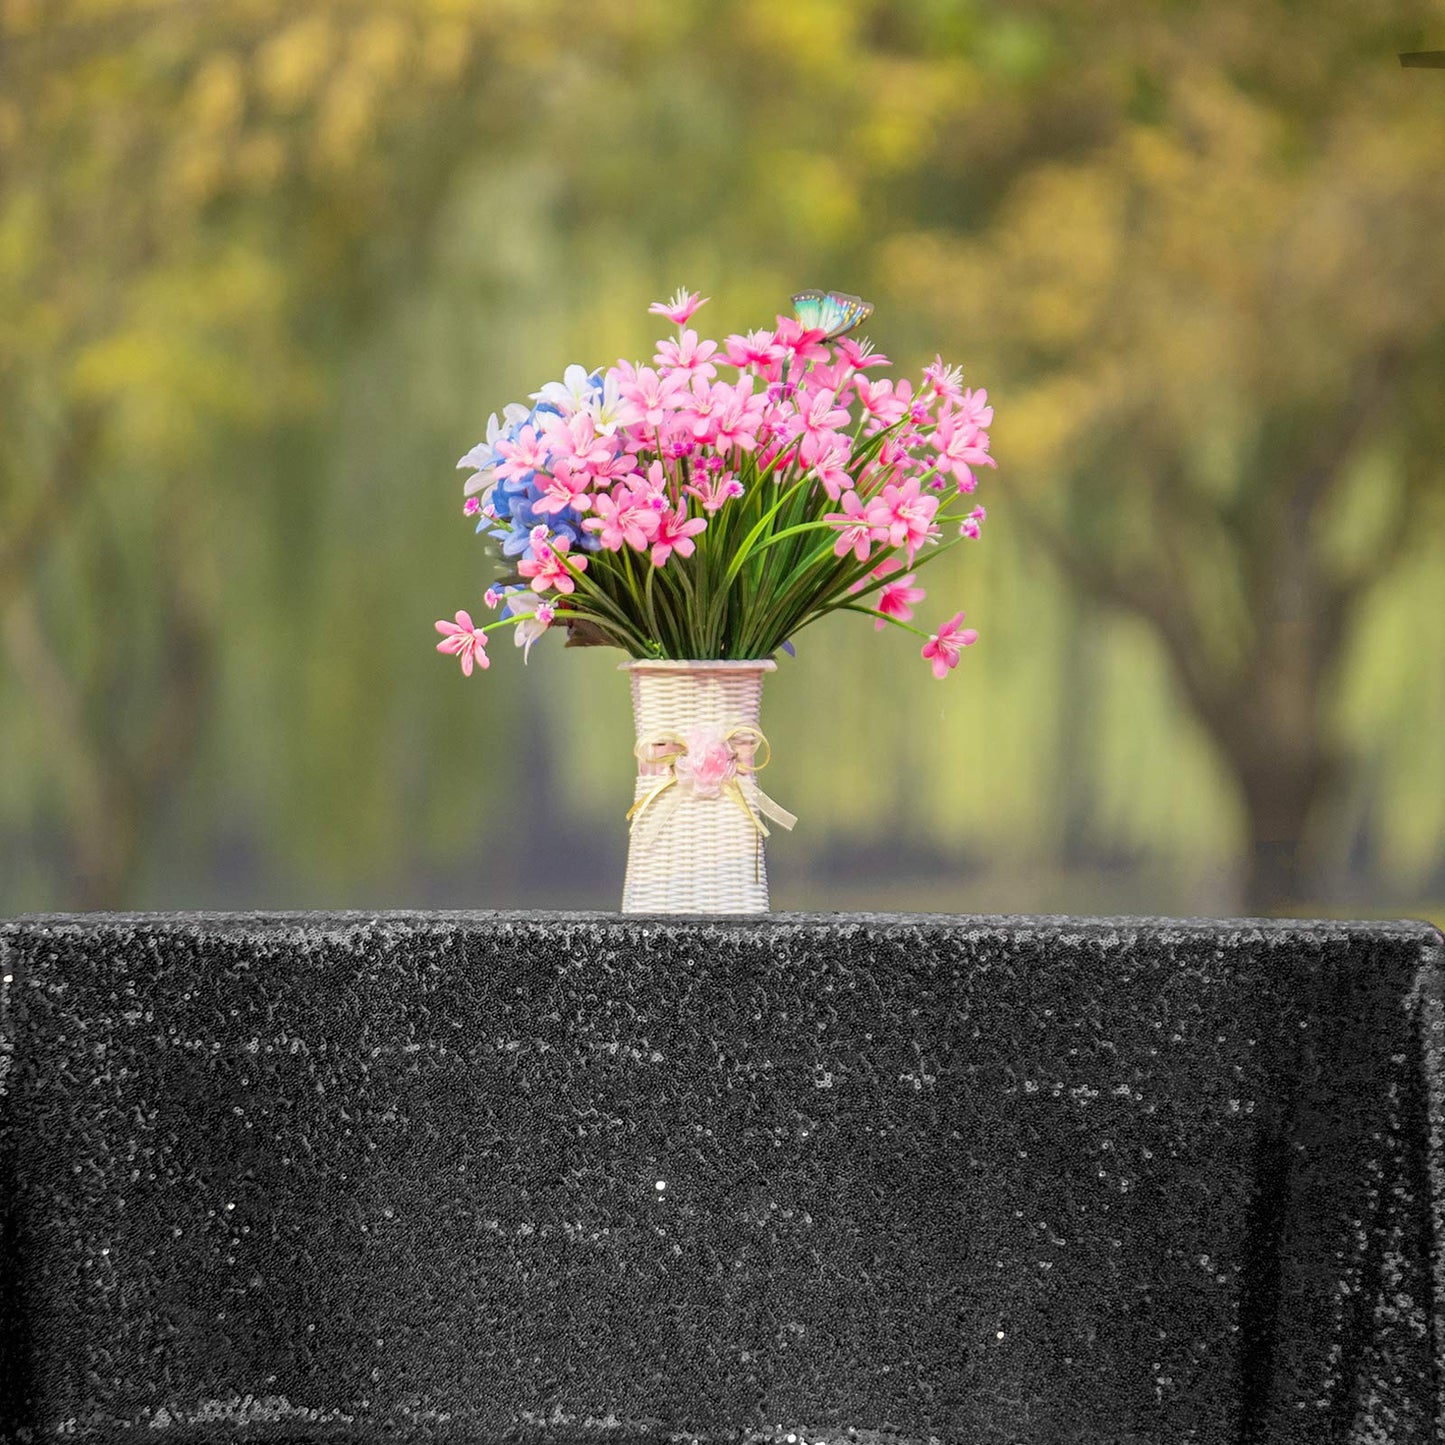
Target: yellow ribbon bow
{"type": "Point", "coordinates": [707, 762]}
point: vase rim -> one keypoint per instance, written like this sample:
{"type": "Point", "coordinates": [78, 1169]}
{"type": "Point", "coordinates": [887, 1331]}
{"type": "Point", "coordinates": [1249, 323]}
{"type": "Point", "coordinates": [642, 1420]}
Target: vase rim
{"type": "Point", "coordinates": [674, 664]}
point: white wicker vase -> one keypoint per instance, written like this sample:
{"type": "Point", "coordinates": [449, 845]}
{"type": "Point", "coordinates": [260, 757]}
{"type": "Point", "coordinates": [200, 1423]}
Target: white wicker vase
{"type": "Point", "coordinates": [691, 853]}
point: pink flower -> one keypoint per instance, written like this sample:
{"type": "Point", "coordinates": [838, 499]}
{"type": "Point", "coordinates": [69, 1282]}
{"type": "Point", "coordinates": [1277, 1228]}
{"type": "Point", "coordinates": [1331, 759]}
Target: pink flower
{"type": "Point", "coordinates": [972, 524]}
{"type": "Point", "coordinates": [737, 415]}
{"type": "Point", "coordinates": [894, 454]}
{"type": "Point", "coordinates": [757, 348]}
{"type": "Point", "coordinates": [777, 413]}
{"type": "Point", "coordinates": [961, 446]}
{"type": "Point", "coordinates": [471, 506]}
{"type": "Point", "coordinates": [698, 410]}
{"type": "Point", "coordinates": [621, 519]}
{"type": "Point", "coordinates": [677, 441]}
{"type": "Point", "coordinates": [909, 516]}
{"type": "Point", "coordinates": [492, 598]}
{"type": "Point", "coordinates": [817, 417]}
{"type": "Point", "coordinates": [973, 406]}
{"type": "Point", "coordinates": [567, 486]}
{"type": "Point", "coordinates": [652, 490]}
{"type": "Point", "coordinates": [464, 640]}
{"type": "Point", "coordinates": [897, 599]}
{"type": "Point", "coordinates": [679, 310]}
{"type": "Point", "coordinates": [713, 491]}
{"type": "Point", "coordinates": [857, 529]}
{"type": "Point", "coordinates": [945, 645]}
{"type": "Point", "coordinates": [946, 379]}
{"type": "Point", "coordinates": [777, 457]}
{"type": "Point", "coordinates": [687, 353]}
{"type": "Point", "coordinates": [883, 403]}
{"type": "Point", "coordinates": [546, 567]}
{"type": "Point", "coordinates": [654, 395]}
{"type": "Point", "coordinates": [830, 465]}
{"type": "Point", "coordinates": [674, 534]}
{"type": "Point", "coordinates": [860, 354]}
{"type": "Point", "coordinates": [885, 568]}
{"type": "Point", "coordinates": [575, 439]}
{"type": "Point", "coordinates": [838, 378]}
{"type": "Point", "coordinates": [803, 344]}
{"type": "Point", "coordinates": [527, 454]}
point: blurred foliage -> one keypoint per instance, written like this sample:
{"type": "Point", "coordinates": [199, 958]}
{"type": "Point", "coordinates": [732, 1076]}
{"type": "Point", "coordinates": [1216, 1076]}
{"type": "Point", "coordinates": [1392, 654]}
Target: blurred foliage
{"type": "Point", "coordinates": [265, 269]}
{"type": "Point", "coordinates": [1222, 326]}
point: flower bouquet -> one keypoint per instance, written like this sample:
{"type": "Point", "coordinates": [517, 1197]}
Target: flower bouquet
{"type": "Point", "coordinates": [699, 523]}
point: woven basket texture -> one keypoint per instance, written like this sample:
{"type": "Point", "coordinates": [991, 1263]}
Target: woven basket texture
{"type": "Point", "coordinates": [696, 855]}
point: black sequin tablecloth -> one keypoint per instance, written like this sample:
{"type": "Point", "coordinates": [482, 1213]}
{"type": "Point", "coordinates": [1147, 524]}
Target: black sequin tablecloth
{"type": "Point", "coordinates": [519, 1177]}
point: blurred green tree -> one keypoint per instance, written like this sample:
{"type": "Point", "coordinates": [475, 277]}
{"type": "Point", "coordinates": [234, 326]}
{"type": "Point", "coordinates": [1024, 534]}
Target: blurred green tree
{"type": "Point", "coordinates": [263, 271]}
{"type": "Point", "coordinates": [1215, 305]}
{"type": "Point", "coordinates": [194, 202]}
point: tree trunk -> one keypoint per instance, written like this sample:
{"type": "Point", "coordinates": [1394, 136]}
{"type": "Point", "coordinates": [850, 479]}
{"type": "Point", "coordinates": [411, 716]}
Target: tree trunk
{"type": "Point", "coordinates": [102, 821]}
{"type": "Point", "coordinates": [1282, 789]}
{"type": "Point", "coordinates": [107, 857]}
{"type": "Point", "coordinates": [1278, 736]}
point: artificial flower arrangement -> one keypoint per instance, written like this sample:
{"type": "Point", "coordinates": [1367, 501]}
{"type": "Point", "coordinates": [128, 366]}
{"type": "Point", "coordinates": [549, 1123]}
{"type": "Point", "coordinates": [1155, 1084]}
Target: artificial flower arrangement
{"type": "Point", "coordinates": [682, 515]}
{"type": "Point", "coordinates": [672, 513]}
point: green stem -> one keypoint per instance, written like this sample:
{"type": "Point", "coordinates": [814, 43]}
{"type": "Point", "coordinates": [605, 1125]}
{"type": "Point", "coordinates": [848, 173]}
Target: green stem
{"type": "Point", "coordinates": [596, 593]}
{"type": "Point", "coordinates": [873, 612]}
{"type": "Point", "coordinates": [792, 532]}
{"type": "Point", "coordinates": [674, 608]}
{"type": "Point", "coordinates": [741, 556]}
{"type": "Point", "coordinates": [770, 623]}
{"type": "Point", "coordinates": [692, 629]}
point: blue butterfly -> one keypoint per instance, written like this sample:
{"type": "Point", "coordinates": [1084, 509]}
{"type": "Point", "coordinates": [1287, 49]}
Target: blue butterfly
{"type": "Point", "coordinates": [831, 312]}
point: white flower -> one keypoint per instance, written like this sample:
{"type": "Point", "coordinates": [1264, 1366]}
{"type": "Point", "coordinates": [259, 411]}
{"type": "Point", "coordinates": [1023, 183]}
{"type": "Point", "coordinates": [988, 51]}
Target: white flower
{"type": "Point", "coordinates": [483, 456]}
{"type": "Point", "coordinates": [484, 482]}
{"type": "Point", "coordinates": [608, 410]}
{"type": "Point", "coordinates": [568, 395]}
{"type": "Point", "coordinates": [536, 614]}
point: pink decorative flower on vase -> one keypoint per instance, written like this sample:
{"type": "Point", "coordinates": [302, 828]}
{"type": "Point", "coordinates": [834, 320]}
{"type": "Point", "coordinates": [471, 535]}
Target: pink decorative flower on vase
{"type": "Point", "coordinates": [708, 763]}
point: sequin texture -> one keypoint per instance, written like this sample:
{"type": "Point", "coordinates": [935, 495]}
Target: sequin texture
{"type": "Point", "coordinates": [795, 1179]}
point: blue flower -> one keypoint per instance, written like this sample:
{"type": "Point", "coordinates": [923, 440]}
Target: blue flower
{"type": "Point", "coordinates": [514, 500]}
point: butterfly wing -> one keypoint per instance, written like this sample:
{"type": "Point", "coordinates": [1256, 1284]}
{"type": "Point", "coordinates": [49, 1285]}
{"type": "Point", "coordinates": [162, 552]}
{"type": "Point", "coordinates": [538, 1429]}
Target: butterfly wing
{"type": "Point", "coordinates": [808, 305]}
{"type": "Point", "coordinates": [831, 312]}
{"type": "Point", "coordinates": [849, 312]}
